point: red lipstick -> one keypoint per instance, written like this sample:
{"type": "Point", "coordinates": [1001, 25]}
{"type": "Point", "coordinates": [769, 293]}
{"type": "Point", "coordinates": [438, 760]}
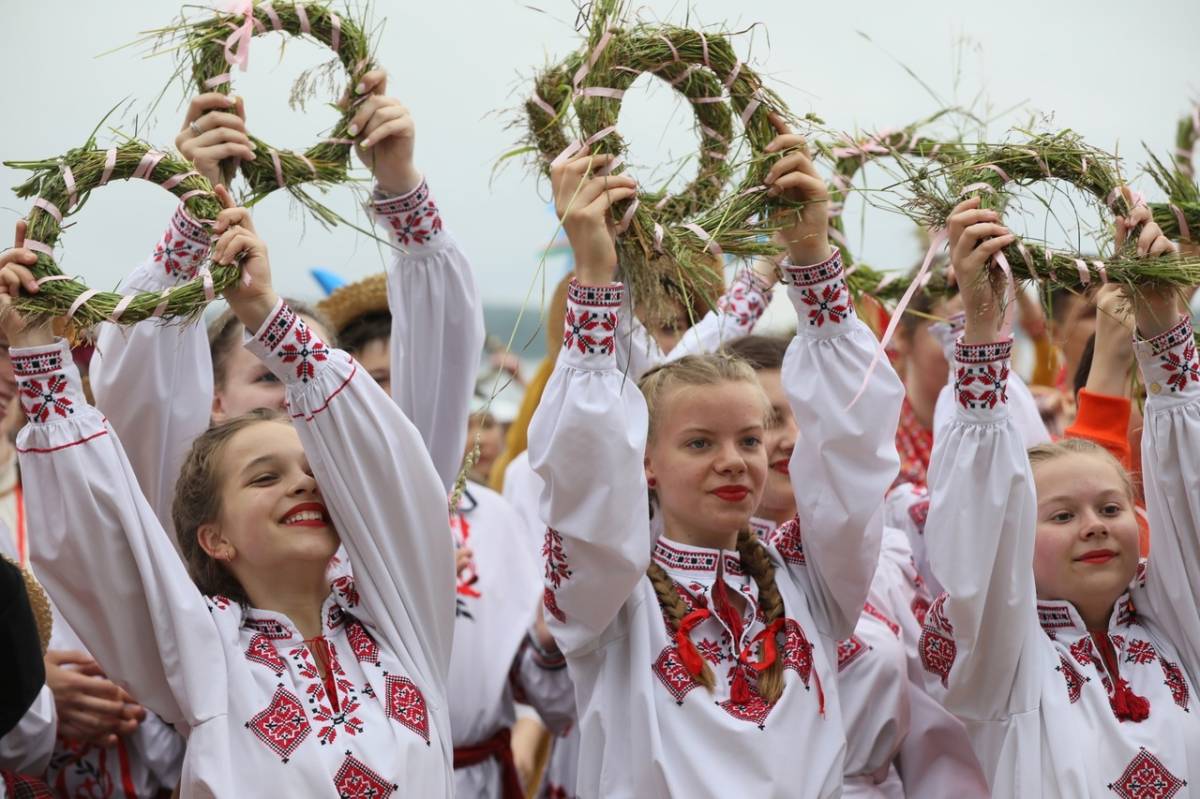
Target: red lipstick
{"type": "Point", "coordinates": [1097, 556]}
{"type": "Point", "coordinates": [309, 508]}
{"type": "Point", "coordinates": [782, 467]}
{"type": "Point", "coordinates": [731, 493]}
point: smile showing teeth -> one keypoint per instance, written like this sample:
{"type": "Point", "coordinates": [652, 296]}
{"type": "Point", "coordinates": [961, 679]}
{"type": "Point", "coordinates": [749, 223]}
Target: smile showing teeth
{"type": "Point", "coordinates": [305, 516]}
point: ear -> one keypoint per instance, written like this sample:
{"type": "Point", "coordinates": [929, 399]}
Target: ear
{"type": "Point", "coordinates": [218, 408]}
{"type": "Point", "coordinates": [650, 476]}
{"type": "Point", "coordinates": [214, 543]}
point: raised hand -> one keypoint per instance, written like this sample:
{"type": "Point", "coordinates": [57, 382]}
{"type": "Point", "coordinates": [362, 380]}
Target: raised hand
{"type": "Point", "coordinates": [1155, 308]}
{"type": "Point", "coordinates": [583, 201]}
{"type": "Point", "coordinates": [385, 134]}
{"type": "Point", "coordinates": [16, 278]}
{"type": "Point", "coordinates": [214, 130]}
{"type": "Point", "coordinates": [976, 235]}
{"type": "Point", "coordinates": [252, 297]}
{"type": "Point", "coordinates": [804, 230]}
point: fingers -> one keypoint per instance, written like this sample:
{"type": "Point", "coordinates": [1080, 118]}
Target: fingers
{"type": "Point", "coordinates": [206, 143]}
{"type": "Point", "coordinates": [210, 101]}
{"type": "Point", "coordinates": [19, 237]}
{"type": "Point", "coordinates": [960, 220]}
{"type": "Point", "coordinates": [779, 123]}
{"type": "Point", "coordinates": [233, 217]}
{"type": "Point", "coordinates": [1162, 246]}
{"type": "Point", "coordinates": [361, 122]}
{"type": "Point", "coordinates": [389, 120]}
{"type": "Point", "coordinates": [234, 242]}
{"type": "Point", "coordinates": [794, 162]}
{"type": "Point", "coordinates": [217, 120]}
{"type": "Point", "coordinates": [60, 657]}
{"type": "Point", "coordinates": [809, 186]}
{"type": "Point", "coordinates": [608, 198]}
{"type": "Point", "coordinates": [374, 82]}
{"type": "Point", "coordinates": [223, 196]}
{"type": "Point", "coordinates": [567, 178]}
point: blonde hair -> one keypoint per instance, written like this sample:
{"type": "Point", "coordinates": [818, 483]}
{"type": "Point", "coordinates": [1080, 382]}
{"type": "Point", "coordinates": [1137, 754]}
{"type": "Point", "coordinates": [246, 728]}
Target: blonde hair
{"type": "Point", "coordinates": [198, 502]}
{"type": "Point", "coordinates": [1044, 453]}
{"type": "Point", "coordinates": [225, 332]}
{"type": "Point", "coordinates": [695, 370]}
{"type": "Point", "coordinates": [758, 565]}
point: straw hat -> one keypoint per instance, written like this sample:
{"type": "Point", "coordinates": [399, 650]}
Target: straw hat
{"type": "Point", "coordinates": [355, 300]}
{"type": "Point", "coordinates": [39, 603]}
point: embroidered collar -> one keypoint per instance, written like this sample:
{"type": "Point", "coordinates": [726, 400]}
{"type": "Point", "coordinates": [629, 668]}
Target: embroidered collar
{"type": "Point", "coordinates": [762, 527]}
{"type": "Point", "coordinates": [1058, 614]}
{"type": "Point", "coordinates": [278, 627]}
{"type": "Point", "coordinates": [686, 563]}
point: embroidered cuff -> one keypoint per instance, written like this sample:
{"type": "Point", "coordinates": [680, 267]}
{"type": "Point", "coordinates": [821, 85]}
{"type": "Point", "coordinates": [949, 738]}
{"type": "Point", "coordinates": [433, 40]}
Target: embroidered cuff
{"type": "Point", "coordinates": [746, 300]}
{"type": "Point", "coordinates": [288, 348]}
{"type": "Point", "coordinates": [413, 220]}
{"type": "Point", "coordinates": [47, 382]}
{"type": "Point", "coordinates": [820, 295]}
{"type": "Point", "coordinates": [981, 377]}
{"type": "Point", "coordinates": [589, 329]}
{"type": "Point", "coordinates": [551, 659]}
{"type": "Point", "coordinates": [182, 250]}
{"type": "Point", "coordinates": [1168, 361]}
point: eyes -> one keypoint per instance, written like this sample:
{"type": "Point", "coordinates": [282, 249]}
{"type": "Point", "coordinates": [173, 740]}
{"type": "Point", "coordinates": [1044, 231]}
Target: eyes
{"type": "Point", "coordinates": [266, 377]}
{"type": "Point", "coordinates": [1109, 510]}
{"type": "Point", "coordinates": [701, 444]}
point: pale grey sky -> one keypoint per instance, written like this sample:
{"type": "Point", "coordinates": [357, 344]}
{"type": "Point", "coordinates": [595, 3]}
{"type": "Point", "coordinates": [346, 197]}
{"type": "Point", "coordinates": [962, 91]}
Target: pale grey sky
{"type": "Point", "coordinates": [1117, 73]}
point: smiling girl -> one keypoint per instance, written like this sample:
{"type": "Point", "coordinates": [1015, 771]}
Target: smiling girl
{"type": "Point", "coordinates": [282, 686]}
{"type": "Point", "coordinates": [704, 661]}
{"type": "Point", "coordinates": [1073, 668]}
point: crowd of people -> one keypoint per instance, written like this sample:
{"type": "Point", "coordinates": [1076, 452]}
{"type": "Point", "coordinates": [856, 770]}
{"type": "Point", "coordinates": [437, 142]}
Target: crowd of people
{"type": "Point", "coordinates": [695, 561]}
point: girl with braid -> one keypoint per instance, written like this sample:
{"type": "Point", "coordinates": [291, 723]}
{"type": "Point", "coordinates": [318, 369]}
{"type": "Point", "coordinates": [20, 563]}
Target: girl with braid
{"type": "Point", "coordinates": [703, 659]}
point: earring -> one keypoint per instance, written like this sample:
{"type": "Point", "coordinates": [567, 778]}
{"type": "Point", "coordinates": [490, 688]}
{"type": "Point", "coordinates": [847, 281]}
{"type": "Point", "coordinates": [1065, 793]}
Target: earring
{"type": "Point", "coordinates": [651, 483]}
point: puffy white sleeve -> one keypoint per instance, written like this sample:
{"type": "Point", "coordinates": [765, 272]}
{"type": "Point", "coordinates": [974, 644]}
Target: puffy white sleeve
{"type": "Point", "coordinates": [587, 442]}
{"type": "Point", "coordinates": [379, 484]}
{"type": "Point", "coordinates": [845, 456]}
{"type": "Point", "coordinates": [437, 326]}
{"type": "Point", "coordinates": [1171, 478]}
{"type": "Point", "coordinates": [541, 681]}
{"type": "Point", "coordinates": [102, 554]}
{"type": "Point", "coordinates": [153, 380]}
{"type": "Point", "coordinates": [737, 311]}
{"type": "Point", "coordinates": [27, 747]}
{"type": "Point", "coordinates": [980, 638]}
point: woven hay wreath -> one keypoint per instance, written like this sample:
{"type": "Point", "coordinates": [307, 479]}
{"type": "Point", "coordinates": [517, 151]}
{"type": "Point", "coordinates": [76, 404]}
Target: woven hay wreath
{"type": "Point", "coordinates": [849, 157]}
{"type": "Point", "coordinates": [1179, 217]}
{"type": "Point", "coordinates": [668, 239]}
{"type": "Point", "coordinates": [211, 44]}
{"type": "Point", "coordinates": [990, 170]}
{"type": "Point", "coordinates": [61, 186]}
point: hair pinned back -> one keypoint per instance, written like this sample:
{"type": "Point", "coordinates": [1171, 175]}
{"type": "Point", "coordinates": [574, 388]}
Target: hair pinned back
{"type": "Point", "coordinates": [694, 370]}
{"type": "Point", "coordinates": [1043, 453]}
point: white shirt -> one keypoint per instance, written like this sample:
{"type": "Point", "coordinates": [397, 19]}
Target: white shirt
{"type": "Point", "coordinates": [647, 728]}
{"type": "Point", "coordinates": [1028, 680]}
{"type": "Point", "coordinates": [240, 684]}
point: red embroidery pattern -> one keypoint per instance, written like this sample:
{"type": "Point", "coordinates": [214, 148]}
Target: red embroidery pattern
{"type": "Point", "coordinates": [275, 630]}
{"type": "Point", "coordinates": [1176, 682]}
{"type": "Point", "coordinates": [550, 602]}
{"type": "Point", "coordinates": [1054, 617]}
{"type": "Point", "coordinates": [671, 673]}
{"type": "Point", "coordinates": [1146, 778]}
{"type": "Point", "coordinates": [557, 571]}
{"type": "Point", "coordinates": [920, 608]}
{"type": "Point", "coordinates": [261, 650]}
{"type": "Point", "coordinates": [218, 602]}
{"type": "Point", "coordinates": [937, 641]}
{"type": "Point", "coordinates": [789, 542]}
{"type": "Point", "coordinates": [797, 650]}
{"type": "Point", "coordinates": [414, 218]}
{"type": "Point", "coordinates": [981, 386]}
{"type": "Point", "coordinates": [805, 276]}
{"type": "Point", "coordinates": [712, 651]}
{"type": "Point", "coordinates": [355, 781]}
{"type": "Point", "coordinates": [1140, 652]}
{"type": "Point", "coordinates": [304, 350]}
{"type": "Point", "coordinates": [345, 589]}
{"type": "Point", "coordinates": [179, 256]}
{"type": "Point", "coordinates": [276, 330]}
{"type": "Point", "coordinates": [832, 304]}
{"type": "Point", "coordinates": [914, 445]}
{"type": "Point", "coordinates": [918, 511]}
{"type": "Point", "coordinates": [849, 650]}
{"type": "Point", "coordinates": [589, 331]}
{"type": "Point", "coordinates": [754, 711]}
{"type": "Point", "coordinates": [1082, 651]}
{"type": "Point", "coordinates": [744, 302]}
{"type": "Point", "coordinates": [876, 613]}
{"type": "Point", "coordinates": [686, 560]}
{"type": "Point", "coordinates": [1180, 369]}
{"type": "Point", "coordinates": [282, 725]}
{"type": "Point", "coordinates": [1074, 679]}
{"type": "Point", "coordinates": [406, 704]}
{"type": "Point", "coordinates": [364, 646]}
{"type": "Point", "coordinates": [37, 364]}
{"type": "Point", "coordinates": [42, 398]}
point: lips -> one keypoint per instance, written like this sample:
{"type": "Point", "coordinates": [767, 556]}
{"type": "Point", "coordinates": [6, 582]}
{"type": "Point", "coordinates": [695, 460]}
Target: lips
{"type": "Point", "coordinates": [731, 493]}
{"type": "Point", "coordinates": [1097, 556]}
{"type": "Point", "coordinates": [781, 467]}
{"type": "Point", "coordinates": [307, 514]}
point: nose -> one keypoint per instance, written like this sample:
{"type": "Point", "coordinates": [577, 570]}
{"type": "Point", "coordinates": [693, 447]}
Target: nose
{"type": "Point", "coordinates": [1092, 525]}
{"type": "Point", "coordinates": [305, 485]}
{"type": "Point", "coordinates": [729, 460]}
{"type": "Point", "coordinates": [788, 435]}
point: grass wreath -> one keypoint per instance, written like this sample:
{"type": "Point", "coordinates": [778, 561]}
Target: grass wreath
{"type": "Point", "coordinates": [667, 240]}
{"type": "Point", "coordinates": [63, 185]}
{"type": "Point", "coordinates": [990, 170]}
{"type": "Point", "coordinates": [211, 44]}
{"type": "Point", "coordinates": [1179, 217]}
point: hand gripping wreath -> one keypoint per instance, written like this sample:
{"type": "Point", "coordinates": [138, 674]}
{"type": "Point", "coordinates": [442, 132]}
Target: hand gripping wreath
{"type": "Point", "coordinates": [849, 157]}
{"type": "Point", "coordinates": [668, 239]}
{"type": "Point", "coordinates": [212, 44]}
{"type": "Point", "coordinates": [61, 186]}
{"type": "Point", "coordinates": [1179, 217]}
{"type": "Point", "coordinates": [988, 172]}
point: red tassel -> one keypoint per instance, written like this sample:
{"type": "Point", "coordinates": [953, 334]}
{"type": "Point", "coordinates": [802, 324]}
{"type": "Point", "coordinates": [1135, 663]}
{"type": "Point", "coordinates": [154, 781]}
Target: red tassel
{"type": "Point", "coordinates": [739, 692]}
{"type": "Point", "coordinates": [1128, 706]}
{"type": "Point", "coordinates": [692, 661]}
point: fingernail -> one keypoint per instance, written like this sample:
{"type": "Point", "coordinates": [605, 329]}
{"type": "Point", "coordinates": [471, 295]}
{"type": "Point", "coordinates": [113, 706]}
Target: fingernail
{"type": "Point", "coordinates": [366, 143]}
{"type": "Point", "coordinates": [231, 100]}
{"type": "Point", "coordinates": [360, 88]}
{"type": "Point", "coordinates": [352, 130]}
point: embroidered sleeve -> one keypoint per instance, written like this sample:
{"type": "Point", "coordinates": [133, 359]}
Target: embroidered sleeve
{"type": "Point", "coordinates": [847, 403]}
{"type": "Point", "coordinates": [412, 220]}
{"type": "Point", "coordinates": [979, 533]}
{"type": "Point", "coordinates": [287, 345]}
{"type": "Point", "coordinates": [587, 443]}
{"type": "Point", "coordinates": [177, 257]}
{"type": "Point", "coordinates": [745, 301]}
{"type": "Point", "coordinates": [1170, 593]}
{"type": "Point", "coordinates": [48, 383]}
{"type": "Point", "coordinates": [437, 328]}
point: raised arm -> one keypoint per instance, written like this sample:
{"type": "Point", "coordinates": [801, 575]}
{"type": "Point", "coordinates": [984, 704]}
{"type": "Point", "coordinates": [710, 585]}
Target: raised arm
{"type": "Point", "coordinates": [981, 637]}
{"type": "Point", "coordinates": [153, 381]}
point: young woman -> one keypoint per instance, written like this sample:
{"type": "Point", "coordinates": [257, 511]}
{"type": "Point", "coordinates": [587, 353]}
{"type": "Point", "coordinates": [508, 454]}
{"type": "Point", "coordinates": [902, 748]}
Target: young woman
{"type": "Point", "coordinates": [1073, 669]}
{"type": "Point", "coordinates": [281, 686]}
{"type": "Point", "coordinates": [685, 650]}
{"type": "Point", "coordinates": [899, 741]}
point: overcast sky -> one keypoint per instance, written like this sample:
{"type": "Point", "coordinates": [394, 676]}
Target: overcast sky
{"type": "Point", "coordinates": [1120, 74]}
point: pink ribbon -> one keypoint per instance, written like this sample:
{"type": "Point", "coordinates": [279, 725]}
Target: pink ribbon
{"type": "Point", "coordinates": [267, 9]}
{"type": "Point", "coordinates": [49, 208]}
{"type": "Point", "coordinates": [661, 204]}
{"type": "Point", "coordinates": [1021, 248]}
{"type": "Point", "coordinates": [887, 280]}
{"type": "Point", "coordinates": [242, 34]}
{"type": "Point", "coordinates": [611, 166]}
{"type": "Point", "coordinates": [163, 300]}
{"type": "Point", "coordinates": [207, 278]}
{"type": "Point", "coordinates": [658, 237]}
{"type": "Point", "coordinates": [122, 304]}
{"type": "Point", "coordinates": [710, 243]}
{"type": "Point", "coordinates": [627, 217]}
{"type": "Point", "coordinates": [110, 162]}
{"type": "Point", "coordinates": [1084, 277]}
{"type": "Point", "coordinates": [980, 186]}
{"type": "Point", "coordinates": [1184, 232]}
{"type": "Point", "coordinates": [706, 100]}
{"type": "Point", "coordinates": [183, 198]}
{"type": "Point", "coordinates": [52, 278]}
{"type": "Point", "coordinates": [674, 52]}
{"type": "Point", "coordinates": [704, 47]}
{"type": "Point", "coordinates": [601, 91]}
{"type": "Point", "coordinates": [682, 76]}
{"type": "Point", "coordinates": [339, 141]}
{"type": "Point", "coordinates": [864, 149]}
{"type": "Point", "coordinates": [751, 107]}
{"type": "Point", "coordinates": [576, 146]}
{"type": "Point", "coordinates": [146, 166]}
{"type": "Point", "coordinates": [278, 168]}
{"type": "Point", "coordinates": [80, 300]}
{"type": "Point", "coordinates": [175, 180]}
{"type": "Point", "coordinates": [1034, 154]}
{"type": "Point", "coordinates": [69, 180]}
{"type": "Point", "coordinates": [939, 239]}
{"type": "Point", "coordinates": [302, 13]}
{"type": "Point", "coordinates": [712, 134]}
{"type": "Point", "coordinates": [585, 68]}
{"type": "Point", "coordinates": [545, 106]}
{"type": "Point", "coordinates": [218, 80]}
{"type": "Point", "coordinates": [995, 168]}
{"type": "Point", "coordinates": [837, 237]}
{"type": "Point", "coordinates": [1083, 165]}
{"type": "Point", "coordinates": [1101, 270]}
{"type": "Point", "coordinates": [311, 166]}
{"type": "Point", "coordinates": [336, 39]}
{"type": "Point", "coordinates": [37, 246]}
{"type": "Point", "coordinates": [737, 68]}
{"type": "Point", "coordinates": [719, 155]}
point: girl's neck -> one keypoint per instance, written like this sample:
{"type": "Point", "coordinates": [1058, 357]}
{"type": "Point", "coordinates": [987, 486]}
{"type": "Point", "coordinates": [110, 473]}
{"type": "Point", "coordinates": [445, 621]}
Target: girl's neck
{"type": "Point", "coordinates": [683, 534]}
{"type": "Point", "coordinates": [779, 515]}
{"type": "Point", "coordinates": [300, 597]}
